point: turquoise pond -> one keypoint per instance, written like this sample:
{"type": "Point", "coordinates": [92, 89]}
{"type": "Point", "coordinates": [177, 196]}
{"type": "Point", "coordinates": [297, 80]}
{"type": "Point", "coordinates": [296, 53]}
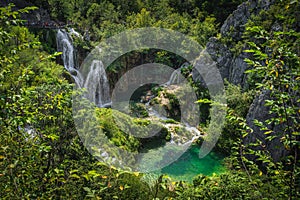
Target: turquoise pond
{"type": "Point", "coordinates": [190, 165]}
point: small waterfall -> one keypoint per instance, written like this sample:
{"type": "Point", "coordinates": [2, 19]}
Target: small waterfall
{"type": "Point", "coordinates": [190, 133]}
{"type": "Point", "coordinates": [176, 76]}
{"type": "Point", "coordinates": [95, 82]}
{"type": "Point", "coordinates": [73, 32]}
{"type": "Point", "coordinates": [174, 79]}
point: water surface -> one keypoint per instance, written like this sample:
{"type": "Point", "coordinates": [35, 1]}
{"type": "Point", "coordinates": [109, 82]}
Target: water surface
{"type": "Point", "coordinates": [190, 165]}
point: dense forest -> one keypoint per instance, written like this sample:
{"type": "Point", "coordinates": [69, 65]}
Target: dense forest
{"type": "Point", "coordinates": [51, 149]}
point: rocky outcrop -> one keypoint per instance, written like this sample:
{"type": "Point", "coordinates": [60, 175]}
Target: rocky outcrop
{"type": "Point", "coordinates": [234, 25]}
{"type": "Point", "coordinates": [260, 112]}
{"type": "Point", "coordinates": [220, 54]}
{"type": "Point", "coordinates": [231, 66]}
{"type": "Point", "coordinates": [237, 68]}
{"type": "Point", "coordinates": [169, 104]}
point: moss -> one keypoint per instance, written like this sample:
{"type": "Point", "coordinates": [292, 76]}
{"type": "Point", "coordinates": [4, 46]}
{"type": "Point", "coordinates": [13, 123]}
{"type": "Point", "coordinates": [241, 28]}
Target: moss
{"type": "Point", "coordinates": [157, 140]}
{"type": "Point", "coordinates": [156, 90]}
{"type": "Point", "coordinates": [141, 122]}
{"type": "Point", "coordinates": [237, 49]}
{"type": "Point", "coordinates": [171, 121]}
{"type": "Point", "coordinates": [138, 110]}
{"type": "Point", "coordinates": [130, 133]}
{"type": "Point", "coordinates": [117, 134]}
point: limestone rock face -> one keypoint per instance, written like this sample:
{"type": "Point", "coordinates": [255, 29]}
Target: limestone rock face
{"type": "Point", "coordinates": [232, 67]}
{"type": "Point", "coordinates": [221, 54]}
{"type": "Point", "coordinates": [236, 70]}
{"type": "Point", "coordinates": [234, 25]}
{"type": "Point", "coordinates": [261, 113]}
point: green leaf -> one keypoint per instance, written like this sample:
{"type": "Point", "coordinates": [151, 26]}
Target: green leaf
{"type": "Point", "coordinates": [268, 132]}
{"type": "Point", "coordinates": [75, 176]}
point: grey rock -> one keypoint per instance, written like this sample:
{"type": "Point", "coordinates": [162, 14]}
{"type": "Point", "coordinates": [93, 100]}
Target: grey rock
{"type": "Point", "coordinates": [237, 69]}
{"type": "Point", "coordinates": [219, 53]}
{"type": "Point", "coordinates": [259, 111]}
{"type": "Point", "coordinates": [234, 25]}
{"type": "Point", "coordinates": [276, 27]}
{"type": "Point", "coordinates": [230, 66]}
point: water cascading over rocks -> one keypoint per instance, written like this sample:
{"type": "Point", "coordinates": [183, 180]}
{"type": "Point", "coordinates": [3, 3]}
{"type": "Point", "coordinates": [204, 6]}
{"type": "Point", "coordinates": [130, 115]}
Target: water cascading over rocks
{"type": "Point", "coordinates": [64, 45]}
{"type": "Point", "coordinates": [95, 81]}
{"type": "Point", "coordinates": [176, 76]}
{"type": "Point", "coordinates": [97, 84]}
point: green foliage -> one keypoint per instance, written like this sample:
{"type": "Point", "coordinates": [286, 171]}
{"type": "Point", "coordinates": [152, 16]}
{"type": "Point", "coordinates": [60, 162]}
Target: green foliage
{"type": "Point", "coordinates": [60, 9]}
{"type": "Point", "coordinates": [204, 102]}
{"type": "Point", "coordinates": [116, 133]}
{"type": "Point", "coordinates": [42, 157]}
{"type": "Point", "coordinates": [47, 38]}
{"type": "Point", "coordinates": [233, 185]}
{"type": "Point", "coordinates": [238, 100]}
{"type": "Point", "coordinates": [35, 113]}
{"type": "Point", "coordinates": [139, 110]}
{"type": "Point", "coordinates": [275, 68]}
{"type": "Point", "coordinates": [238, 103]}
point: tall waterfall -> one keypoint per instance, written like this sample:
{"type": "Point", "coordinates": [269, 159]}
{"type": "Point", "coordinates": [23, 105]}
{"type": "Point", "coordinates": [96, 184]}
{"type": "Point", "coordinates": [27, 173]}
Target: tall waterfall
{"type": "Point", "coordinates": [95, 82]}
{"type": "Point", "coordinates": [64, 45]}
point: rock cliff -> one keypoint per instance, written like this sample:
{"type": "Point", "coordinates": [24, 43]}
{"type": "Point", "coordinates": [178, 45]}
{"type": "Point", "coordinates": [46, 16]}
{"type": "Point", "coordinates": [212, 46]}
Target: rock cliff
{"type": "Point", "coordinates": [232, 67]}
{"type": "Point", "coordinates": [261, 113]}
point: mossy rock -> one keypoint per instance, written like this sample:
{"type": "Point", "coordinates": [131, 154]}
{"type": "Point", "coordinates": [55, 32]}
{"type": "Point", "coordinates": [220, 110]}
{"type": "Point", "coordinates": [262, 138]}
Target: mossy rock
{"type": "Point", "coordinates": [138, 110]}
{"type": "Point", "coordinates": [130, 133]}
{"type": "Point", "coordinates": [169, 102]}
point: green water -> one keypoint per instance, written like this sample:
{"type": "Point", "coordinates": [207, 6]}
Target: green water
{"type": "Point", "coordinates": [190, 165]}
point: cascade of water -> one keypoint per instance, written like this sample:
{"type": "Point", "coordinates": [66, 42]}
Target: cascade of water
{"type": "Point", "coordinates": [192, 133]}
{"type": "Point", "coordinates": [176, 77]}
{"type": "Point", "coordinates": [95, 82]}
{"type": "Point", "coordinates": [73, 32]}
{"type": "Point", "coordinates": [64, 45]}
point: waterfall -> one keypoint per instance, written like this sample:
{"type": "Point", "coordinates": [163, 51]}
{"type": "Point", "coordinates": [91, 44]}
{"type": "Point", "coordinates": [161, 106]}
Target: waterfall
{"type": "Point", "coordinates": [73, 32]}
{"type": "Point", "coordinates": [176, 76]}
{"type": "Point", "coordinates": [190, 133]}
{"type": "Point", "coordinates": [64, 45]}
{"type": "Point", "coordinates": [95, 82]}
